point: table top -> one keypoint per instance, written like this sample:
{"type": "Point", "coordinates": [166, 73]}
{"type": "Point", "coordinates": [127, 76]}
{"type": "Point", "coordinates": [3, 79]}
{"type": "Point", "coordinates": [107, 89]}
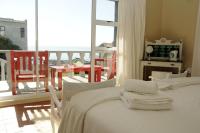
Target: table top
{"type": "Point", "coordinates": [73, 67]}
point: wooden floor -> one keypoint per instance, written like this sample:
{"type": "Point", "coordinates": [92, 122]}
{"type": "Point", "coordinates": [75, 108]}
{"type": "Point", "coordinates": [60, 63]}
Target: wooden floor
{"type": "Point", "coordinates": [26, 118]}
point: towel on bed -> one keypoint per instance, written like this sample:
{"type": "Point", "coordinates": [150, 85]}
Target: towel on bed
{"type": "Point", "coordinates": [140, 86]}
{"type": "Point", "coordinates": [147, 101]}
{"type": "Point", "coordinates": [174, 83]}
{"type": "Point", "coordinates": [75, 111]}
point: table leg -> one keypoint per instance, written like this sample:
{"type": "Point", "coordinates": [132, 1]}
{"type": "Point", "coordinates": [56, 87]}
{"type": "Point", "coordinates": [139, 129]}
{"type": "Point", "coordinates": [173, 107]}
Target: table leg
{"type": "Point", "coordinates": [98, 75]}
{"type": "Point", "coordinates": [89, 76]}
{"type": "Point", "coordinates": [59, 80]}
{"type": "Point", "coordinates": [53, 77]}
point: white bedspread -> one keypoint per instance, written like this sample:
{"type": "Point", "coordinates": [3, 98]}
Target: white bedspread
{"type": "Point", "coordinates": [101, 111]}
{"type": "Point", "coordinates": [115, 117]}
{"type": "Point", "coordinates": [75, 111]}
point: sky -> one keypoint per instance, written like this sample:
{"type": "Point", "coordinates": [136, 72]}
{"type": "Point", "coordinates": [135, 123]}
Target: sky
{"type": "Point", "coordinates": [62, 23]}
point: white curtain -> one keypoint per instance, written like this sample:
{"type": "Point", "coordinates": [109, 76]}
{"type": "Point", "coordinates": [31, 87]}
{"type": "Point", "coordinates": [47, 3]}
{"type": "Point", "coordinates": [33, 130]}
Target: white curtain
{"type": "Point", "coordinates": [131, 29]}
{"type": "Point", "coordinates": [196, 55]}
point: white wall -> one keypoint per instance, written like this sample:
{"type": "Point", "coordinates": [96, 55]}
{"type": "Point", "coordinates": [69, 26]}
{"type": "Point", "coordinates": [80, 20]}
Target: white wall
{"type": "Point", "coordinates": [12, 31]}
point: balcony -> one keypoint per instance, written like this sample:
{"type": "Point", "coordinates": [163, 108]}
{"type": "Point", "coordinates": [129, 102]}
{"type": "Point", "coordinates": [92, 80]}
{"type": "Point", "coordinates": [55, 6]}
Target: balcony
{"type": "Point", "coordinates": [57, 58]}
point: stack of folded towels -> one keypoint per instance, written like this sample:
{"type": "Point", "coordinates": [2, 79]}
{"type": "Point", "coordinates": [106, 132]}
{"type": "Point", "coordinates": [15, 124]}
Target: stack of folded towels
{"type": "Point", "coordinates": [144, 95]}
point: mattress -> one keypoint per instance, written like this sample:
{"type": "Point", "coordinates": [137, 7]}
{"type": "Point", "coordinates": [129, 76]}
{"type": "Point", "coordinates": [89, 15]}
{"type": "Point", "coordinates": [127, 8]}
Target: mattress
{"type": "Point", "coordinates": [114, 117]}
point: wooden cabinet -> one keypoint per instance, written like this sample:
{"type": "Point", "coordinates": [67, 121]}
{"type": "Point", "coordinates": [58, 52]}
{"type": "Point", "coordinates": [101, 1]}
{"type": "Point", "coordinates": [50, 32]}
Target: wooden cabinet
{"type": "Point", "coordinates": [148, 66]}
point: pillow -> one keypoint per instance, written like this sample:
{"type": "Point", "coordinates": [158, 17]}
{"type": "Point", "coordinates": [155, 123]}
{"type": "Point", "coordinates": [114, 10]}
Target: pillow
{"type": "Point", "coordinates": [178, 75]}
{"type": "Point", "coordinates": [140, 86]}
{"type": "Point", "coordinates": [71, 88]}
{"type": "Point", "coordinates": [174, 83]}
{"type": "Point", "coordinates": [164, 84]}
{"type": "Point", "coordinates": [156, 75]}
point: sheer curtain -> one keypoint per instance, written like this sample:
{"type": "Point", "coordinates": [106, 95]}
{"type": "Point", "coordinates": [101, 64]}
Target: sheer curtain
{"type": "Point", "coordinates": [196, 55]}
{"type": "Point", "coordinates": [131, 30]}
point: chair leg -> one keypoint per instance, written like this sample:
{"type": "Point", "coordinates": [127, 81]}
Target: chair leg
{"type": "Point", "coordinates": [111, 75]}
{"type": "Point", "coordinates": [14, 90]}
{"type": "Point", "coordinates": [46, 85]}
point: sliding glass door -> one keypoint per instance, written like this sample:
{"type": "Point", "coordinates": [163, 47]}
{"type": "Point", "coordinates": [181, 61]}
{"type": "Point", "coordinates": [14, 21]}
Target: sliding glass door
{"type": "Point", "coordinates": [78, 35]}
{"type": "Point", "coordinates": [104, 33]}
{"type": "Point", "coordinates": [65, 31]}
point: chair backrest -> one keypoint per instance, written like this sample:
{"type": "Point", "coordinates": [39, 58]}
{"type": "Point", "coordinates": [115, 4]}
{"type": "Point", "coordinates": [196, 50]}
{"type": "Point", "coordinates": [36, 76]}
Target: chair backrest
{"type": "Point", "coordinates": [114, 64]}
{"type": "Point", "coordinates": [24, 62]}
{"type": "Point", "coordinates": [111, 63]}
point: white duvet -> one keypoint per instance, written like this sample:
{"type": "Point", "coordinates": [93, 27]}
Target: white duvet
{"type": "Point", "coordinates": [115, 117]}
{"type": "Point", "coordinates": [75, 111]}
{"type": "Point", "coordinates": [102, 111]}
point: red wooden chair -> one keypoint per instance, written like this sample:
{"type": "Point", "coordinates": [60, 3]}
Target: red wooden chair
{"type": "Point", "coordinates": [111, 65]}
{"type": "Point", "coordinates": [23, 68]}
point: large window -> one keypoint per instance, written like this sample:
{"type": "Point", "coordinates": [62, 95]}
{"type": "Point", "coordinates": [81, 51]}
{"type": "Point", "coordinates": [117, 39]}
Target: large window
{"type": "Point", "coordinates": [64, 25]}
{"type": "Point", "coordinates": [67, 32]}
{"type": "Point", "coordinates": [106, 21]}
{"type": "Point", "coordinates": [104, 33]}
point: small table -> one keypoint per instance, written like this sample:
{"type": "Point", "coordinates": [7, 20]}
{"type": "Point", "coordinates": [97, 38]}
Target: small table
{"type": "Point", "coordinates": [72, 68]}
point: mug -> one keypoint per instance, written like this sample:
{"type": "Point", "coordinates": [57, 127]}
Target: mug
{"type": "Point", "coordinates": [173, 55]}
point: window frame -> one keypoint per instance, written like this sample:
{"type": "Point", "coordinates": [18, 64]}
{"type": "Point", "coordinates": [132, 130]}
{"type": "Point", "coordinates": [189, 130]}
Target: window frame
{"type": "Point", "coordinates": [98, 22]}
{"type": "Point", "coordinates": [22, 32]}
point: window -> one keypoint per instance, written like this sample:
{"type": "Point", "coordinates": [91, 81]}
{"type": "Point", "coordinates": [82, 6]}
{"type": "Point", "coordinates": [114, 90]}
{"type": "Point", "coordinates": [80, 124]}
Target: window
{"type": "Point", "coordinates": [106, 22]}
{"type": "Point", "coordinates": [2, 30]}
{"type": "Point", "coordinates": [22, 32]}
{"type": "Point", "coordinates": [104, 36]}
{"type": "Point", "coordinates": [104, 31]}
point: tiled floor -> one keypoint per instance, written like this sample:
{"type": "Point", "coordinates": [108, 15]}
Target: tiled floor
{"type": "Point", "coordinates": [26, 118]}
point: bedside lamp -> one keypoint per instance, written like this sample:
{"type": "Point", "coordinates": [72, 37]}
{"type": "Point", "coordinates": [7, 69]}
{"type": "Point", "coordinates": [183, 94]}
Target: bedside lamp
{"type": "Point", "coordinates": [149, 50]}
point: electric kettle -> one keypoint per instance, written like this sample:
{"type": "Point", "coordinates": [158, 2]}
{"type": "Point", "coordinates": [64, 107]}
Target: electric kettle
{"type": "Point", "coordinates": [173, 55]}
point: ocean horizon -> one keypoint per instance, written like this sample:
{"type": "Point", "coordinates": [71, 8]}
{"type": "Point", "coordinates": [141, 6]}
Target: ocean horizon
{"type": "Point", "coordinates": [64, 57]}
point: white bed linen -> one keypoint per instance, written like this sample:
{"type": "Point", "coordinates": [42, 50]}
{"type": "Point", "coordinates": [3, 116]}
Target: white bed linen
{"type": "Point", "coordinates": [115, 117]}
{"type": "Point", "coordinates": [75, 111]}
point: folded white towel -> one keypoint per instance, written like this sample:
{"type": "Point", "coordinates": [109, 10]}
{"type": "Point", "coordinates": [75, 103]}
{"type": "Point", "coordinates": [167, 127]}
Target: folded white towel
{"type": "Point", "coordinates": [146, 98]}
{"type": "Point", "coordinates": [140, 86]}
{"type": "Point", "coordinates": [147, 102]}
{"type": "Point", "coordinates": [139, 106]}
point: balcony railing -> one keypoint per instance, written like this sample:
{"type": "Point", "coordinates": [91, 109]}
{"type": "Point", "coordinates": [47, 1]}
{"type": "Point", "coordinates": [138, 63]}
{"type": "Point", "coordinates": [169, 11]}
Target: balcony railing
{"type": "Point", "coordinates": [3, 67]}
{"type": "Point", "coordinates": [55, 58]}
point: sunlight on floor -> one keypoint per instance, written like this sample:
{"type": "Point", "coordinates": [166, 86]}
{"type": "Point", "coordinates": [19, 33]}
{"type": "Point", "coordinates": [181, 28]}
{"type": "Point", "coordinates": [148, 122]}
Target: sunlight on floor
{"type": "Point", "coordinates": [30, 87]}
{"type": "Point", "coordinates": [23, 119]}
{"type": "Point", "coordinates": [4, 89]}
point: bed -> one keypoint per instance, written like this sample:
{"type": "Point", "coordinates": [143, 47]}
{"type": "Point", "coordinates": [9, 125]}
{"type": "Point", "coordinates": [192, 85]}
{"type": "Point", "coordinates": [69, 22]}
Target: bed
{"type": "Point", "coordinates": [102, 111]}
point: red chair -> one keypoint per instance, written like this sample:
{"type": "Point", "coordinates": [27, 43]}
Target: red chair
{"type": "Point", "coordinates": [23, 68]}
{"type": "Point", "coordinates": [111, 65]}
